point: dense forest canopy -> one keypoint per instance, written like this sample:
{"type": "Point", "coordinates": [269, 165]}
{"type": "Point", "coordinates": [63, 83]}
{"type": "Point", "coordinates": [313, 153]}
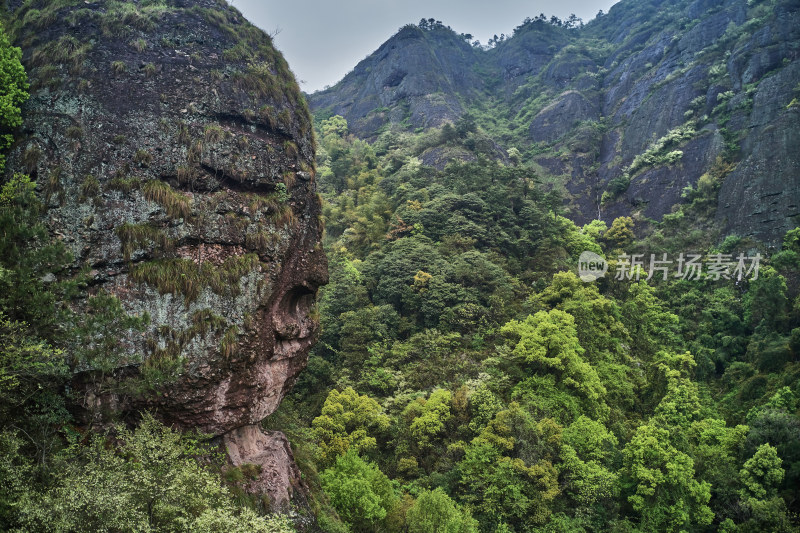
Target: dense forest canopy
{"type": "Point", "coordinates": [463, 356]}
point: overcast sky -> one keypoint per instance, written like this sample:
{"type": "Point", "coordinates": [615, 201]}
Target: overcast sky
{"type": "Point", "coordinates": [323, 39]}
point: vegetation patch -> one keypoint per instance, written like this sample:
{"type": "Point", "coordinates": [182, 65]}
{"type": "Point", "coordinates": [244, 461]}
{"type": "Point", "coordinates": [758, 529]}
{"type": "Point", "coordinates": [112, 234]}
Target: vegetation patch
{"type": "Point", "coordinates": [184, 277]}
{"type": "Point", "coordinates": [174, 203]}
{"type": "Point", "coordinates": [138, 236]}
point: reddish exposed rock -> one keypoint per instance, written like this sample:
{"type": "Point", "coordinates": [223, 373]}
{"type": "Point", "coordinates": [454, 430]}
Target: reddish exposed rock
{"type": "Point", "coordinates": [279, 477]}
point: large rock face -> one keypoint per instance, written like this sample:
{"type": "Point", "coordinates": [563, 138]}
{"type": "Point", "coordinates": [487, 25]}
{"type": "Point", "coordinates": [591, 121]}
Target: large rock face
{"type": "Point", "coordinates": [586, 102]}
{"type": "Point", "coordinates": [175, 153]}
{"type": "Point", "coordinates": [415, 77]}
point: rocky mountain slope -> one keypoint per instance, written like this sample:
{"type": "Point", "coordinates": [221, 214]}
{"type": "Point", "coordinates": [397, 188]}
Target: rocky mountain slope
{"type": "Point", "coordinates": [629, 114]}
{"type": "Point", "coordinates": [175, 154]}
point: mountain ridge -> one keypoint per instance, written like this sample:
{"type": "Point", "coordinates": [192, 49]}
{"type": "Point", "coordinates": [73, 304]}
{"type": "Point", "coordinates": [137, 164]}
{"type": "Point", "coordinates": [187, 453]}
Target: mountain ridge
{"type": "Point", "coordinates": [624, 114]}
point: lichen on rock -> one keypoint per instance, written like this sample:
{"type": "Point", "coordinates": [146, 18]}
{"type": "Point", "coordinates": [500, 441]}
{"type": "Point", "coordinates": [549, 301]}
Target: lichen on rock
{"type": "Point", "coordinates": [174, 150]}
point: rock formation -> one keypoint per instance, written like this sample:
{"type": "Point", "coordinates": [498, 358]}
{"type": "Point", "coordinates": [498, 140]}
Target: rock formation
{"type": "Point", "coordinates": [175, 154]}
{"type": "Point", "coordinates": [588, 101]}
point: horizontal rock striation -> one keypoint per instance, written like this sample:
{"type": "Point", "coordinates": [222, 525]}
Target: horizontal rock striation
{"type": "Point", "coordinates": [174, 151]}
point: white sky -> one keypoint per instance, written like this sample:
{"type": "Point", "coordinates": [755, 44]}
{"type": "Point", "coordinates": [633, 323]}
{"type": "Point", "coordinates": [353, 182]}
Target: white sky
{"type": "Point", "coordinates": [322, 40]}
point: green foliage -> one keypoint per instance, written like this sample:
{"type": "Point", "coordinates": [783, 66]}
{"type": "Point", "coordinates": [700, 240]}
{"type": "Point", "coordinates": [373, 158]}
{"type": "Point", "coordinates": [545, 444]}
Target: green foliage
{"type": "Point", "coordinates": [150, 481]}
{"type": "Point", "coordinates": [240, 521]}
{"type": "Point", "coordinates": [459, 351]}
{"type": "Point", "coordinates": [759, 477]}
{"type": "Point", "coordinates": [94, 344]}
{"type": "Point", "coordinates": [359, 491]}
{"type": "Point", "coordinates": [185, 277]}
{"type": "Point", "coordinates": [336, 125]}
{"type": "Point", "coordinates": [515, 387]}
{"type": "Point", "coordinates": [503, 489]}
{"type": "Point", "coordinates": [134, 237]}
{"type": "Point", "coordinates": [13, 93]}
{"type": "Point", "coordinates": [761, 473]}
{"type": "Point", "coordinates": [31, 374]}
{"type": "Point", "coordinates": [658, 153]}
{"type": "Point", "coordinates": [650, 324]}
{"type": "Point", "coordinates": [661, 482]}
{"type": "Point", "coordinates": [766, 302]}
{"type": "Point", "coordinates": [587, 482]}
{"type": "Point", "coordinates": [434, 512]}
{"type": "Point", "coordinates": [429, 417]}
{"type": "Point", "coordinates": [548, 341]}
{"type": "Point", "coordinates": [620, 234]}
{"type": "Point", "coordinates": [15, 475]}
{"type": "Point", "coordinates": [27, 257]}
{"type": "Point", "coordinates": [345, 423]}
{"type": "Point", "coordinates": [118, 67]}
{"type": "Point", "coordinates": [590, 439]}
{"type": "Point", "coordinates": [174, 203]}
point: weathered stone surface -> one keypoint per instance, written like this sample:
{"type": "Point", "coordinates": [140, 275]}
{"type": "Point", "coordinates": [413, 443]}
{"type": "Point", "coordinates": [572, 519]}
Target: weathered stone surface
{"type": "Point", "coordinates": [175, 153]}
{"type": "Point", "coordinates": [656, 190]}
{"type": "Point", "coordinates": [640, 71]}
{"type": "Point", "coordinates": [761, 197]}
{"type": "Point", "coordinates": [527, 53]}
{"type": "Point", "coordinates": [279, 477]}
{"type": "Point", "coordinates": [561, 116]}
{"type": "Point", "coordinates": [417, 73]}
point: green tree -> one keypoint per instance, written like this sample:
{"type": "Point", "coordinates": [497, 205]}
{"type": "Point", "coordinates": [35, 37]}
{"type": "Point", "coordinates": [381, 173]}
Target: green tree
{"type": "Point", "coordinates": [586, 454]}
{"type": "Point", "coordinates": [429, 417]}
{"type": "Point", "coordinates": [13, 93]}
{"type": "Point", "coordinates": [483, 406]}
{"type": "Point", "coordinates": [651, 325]}
{"type": "Point", "coordinates": [151, 481]}
{"type": "Point", "coordinates": [345, 423]}
{"type": "Point", "coordinates": [760, 477]}
{"type": "Point", "coordinates": [240, 521]}
{"type": "Point", "coordinates": [16, 477]}
{"type": "Point", "coordinates": [548, 342]}
{"type": "Point", "coordinates": [601, 333]}
{"type": "Point", "coordinates": [32, 377]}
{"type": "Point", "coordinates": [392, 274]}
{"type": "Point", "coordinates": [598, 320]}
{"type": "Point", "coordinates": [586, 482]}
{"type": "Point", "coordinates": [620, 234]}
{"type": "Point", "coordinates": [30, 262]}
{"type": "Point", "coordinates": [502, 489]}
{"type": "Point", "coordinates": [359, 491]}
{"type": "Point", "coordinates": [766, 302]}
{"type": "Point", "coordinates": [661, 485]}
{"type": "Point", "coordinates": [34, 322]}
{"type": "Point", "coordinates": [434, 512]}
{"type": "Point", "coordinates": [590, 439]}
{"type": "Point", "coordinates": [761, 474]}
{"type": "Point", "coordinates": [716, 449]}
{"type": "Point", "coordinates": [336, 125]}
{"type": "Point", "coordinates": [507, 474]}
{"type": "Point", "coordinates": [344, 292]}
{"type": "Point", "coordinates": [361, 329]}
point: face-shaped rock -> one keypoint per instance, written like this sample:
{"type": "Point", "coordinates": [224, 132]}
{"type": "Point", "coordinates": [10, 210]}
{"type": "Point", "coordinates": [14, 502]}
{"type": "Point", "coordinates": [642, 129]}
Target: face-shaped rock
{"type": "Point", "coordinates": [175, 154]}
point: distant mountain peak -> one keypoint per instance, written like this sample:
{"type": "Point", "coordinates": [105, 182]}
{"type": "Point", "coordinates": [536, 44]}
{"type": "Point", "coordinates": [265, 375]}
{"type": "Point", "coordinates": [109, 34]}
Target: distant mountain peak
{"type": "Point", "coordinates": [623, 113]}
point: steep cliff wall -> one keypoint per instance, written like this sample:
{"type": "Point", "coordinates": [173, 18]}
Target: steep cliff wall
{"type": "Point", "coordinates": [417, 77]}
{"type": "Point", "coordinates": [175, 153]}
{"type": "Point", "coordinates": [624, 113]}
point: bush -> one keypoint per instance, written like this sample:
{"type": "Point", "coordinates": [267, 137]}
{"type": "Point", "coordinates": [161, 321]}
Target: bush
{"type": "Point", "coordinates": [359, 491]}
{"type": "Point", "coordinates": [13, 93]}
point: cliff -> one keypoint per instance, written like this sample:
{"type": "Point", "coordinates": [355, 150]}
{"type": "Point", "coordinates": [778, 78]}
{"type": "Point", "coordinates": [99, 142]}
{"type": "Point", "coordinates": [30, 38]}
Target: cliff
{"type": "Point", "coordinates": [174, 151]}
{"type": "Point", "coordinates": [624, 115]}
{"type": "Point", "coordinates": [417, 76]}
